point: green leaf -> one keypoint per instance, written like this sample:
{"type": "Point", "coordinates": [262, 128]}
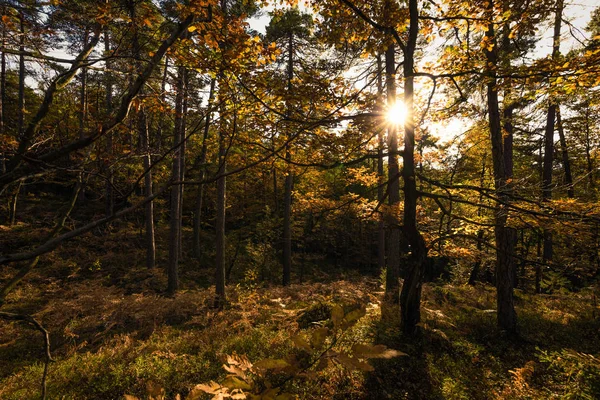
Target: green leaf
{"type": "Point", "coordinates": [270, 363]}
{"type": "Point", "coordinates": [318, 337]}
{"type": "Point", "coordinates": [353, 317]}
{"type": "Point", "coordinates": [337, 315]}
{"type": "Point", "coordinates": [233, 382]}
{"type": "Point", "coordinates": [301, 343]}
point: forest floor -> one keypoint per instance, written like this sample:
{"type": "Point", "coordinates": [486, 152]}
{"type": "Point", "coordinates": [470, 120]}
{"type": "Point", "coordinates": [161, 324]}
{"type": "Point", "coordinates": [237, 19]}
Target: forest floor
{"type": "Point", "coordinates": [113, 333]}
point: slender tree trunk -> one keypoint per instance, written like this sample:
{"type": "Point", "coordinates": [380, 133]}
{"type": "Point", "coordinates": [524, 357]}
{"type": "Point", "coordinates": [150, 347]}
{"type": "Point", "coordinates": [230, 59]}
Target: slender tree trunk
{"type": "Point", "coordinates": [144, 136]}
{"type": "Point", "coordinates": [220, 219]}
{"type": "Point", "coordinates": [565, 155]}
{"type": "Point", "coordinates": [182, 157]}
{"type": "Point", "coordinates": [174, 227]}
{"type": "Point", "coordinates": [109, 196]}
{"type": "Point", "coordinates": [289, 177]}
{"type": "Point", "coordinates": [410, 297]}
{"type": "Point", "coordinates": [588, 153]}
{"type": "Point", "coordinates": [22, 73]}
{"type": "Point", "coordinates": [149, 218]}
{"type": "Point", "coordinates": [12, 215]}
{"type": "Point", "coordinates": [393, 187]}
{"type": "Point", "coordinates": [507, 319]}
{"type": "Point", "coordinates": [221, 200]}
{"type": "Point", "coordinates": [549, 137]}
{"type": "Point", "coordinates": [83, 107]}
{"type": "Point", "coordinates": [380, 171]}
{"type": "Point", "coordinates": [3, 92]}
{"type": "Point", "coordinates": [201, 163]}
{"type": "Point", "coordinates": [480, 233]}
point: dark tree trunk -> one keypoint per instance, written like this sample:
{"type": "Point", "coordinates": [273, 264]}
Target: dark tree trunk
{"type": "Point", "coordinates": [393, 187]}
{"type": "Point", "coordinates": [202, 166]}
{"type": "Point", "coordinates": [565, 155]}
{"type": "Point", "coordinates": [289, 177]}
{"type": "Point", "coordinates": [380, 171]}
{"type": "Point", "coordinates": [22, 73]}
{"type": "Point", "coordinates": [507, 319]}
{"type": "Point", "coordinates": [83, 105]}
{"type": "Point", "coordinates": [149, 218]}
{"type": "Point", "coordinates": [220, 219]}
{"type": "Point", "coordinates": [109, 195]}
{"type": "Point", "coordinates": [410, 297]}
{"type": "Point", "coordinates": [549, 138]}
{"type": "Point", "coordinates": [144, 136]}
{"type": "Point", "coordinates": [174, 223]}
{"type": "Point", "coordinates": [3, 93]}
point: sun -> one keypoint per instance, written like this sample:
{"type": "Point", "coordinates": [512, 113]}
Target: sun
{"type": "Point", "coordinates": [396, 114]}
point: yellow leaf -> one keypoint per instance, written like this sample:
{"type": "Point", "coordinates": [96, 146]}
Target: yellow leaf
{"type": "Point", "coordinates": [192, 28]}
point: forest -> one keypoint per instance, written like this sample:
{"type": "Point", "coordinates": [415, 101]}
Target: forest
{"type": "Point", "coordinates": [317, 199]}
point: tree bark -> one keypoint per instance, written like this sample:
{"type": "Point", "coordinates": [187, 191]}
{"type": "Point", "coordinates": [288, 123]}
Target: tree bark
{"type": "Point", "coordinates": [380, 171]}
{"type": "Point", "coordinates": [565, 155]}
{"type": "Point", "coordinates": [289, 177]}
{"type": "Point", "coordinates": [410, 297]}
{"type": "Point", "coordinates": [393, 187]}
{"type": "Point", "coordinates": [109, 204]}
{"type": "Point", "coordinates": [201, 162]}
{"type": "Point", "coordinates": [22, 73]}
{"type": "Point", "coordinates": [507, 319]}
{"type": "Point", "coordinates": [549, 138]}
{"type": "Point", "coordinates": [175, 213]}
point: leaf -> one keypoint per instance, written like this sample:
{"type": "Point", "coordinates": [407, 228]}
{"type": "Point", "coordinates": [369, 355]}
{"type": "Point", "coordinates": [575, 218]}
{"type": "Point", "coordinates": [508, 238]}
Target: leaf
{"type": "Point", "coordinates": [391, 353]}
{"type": "Point", "coordinates": [130, 397]}
{"type": "Point", "coordinates": [233, 382]}
{"type": "Point", "coordinates": [366, 350]}
{"type": "Point", "coordinates": [301, 343]}
{"type": "Point", "coordinates": [353, 317]}
{"type": "Point", "coordinates": [270, 363]}
{"type": "Point", "coordinates": [212, 388]}
{"type": "Point", "coordinates": [270, 394]}
{"type": "Point", "coordinates": [192, 28]}
{"type": "Point", "coordinates": [353, 363]}
{"type": "Point", "coordinates": [318, 337]}
{"type": "Point", "coordinates": [337, 315]}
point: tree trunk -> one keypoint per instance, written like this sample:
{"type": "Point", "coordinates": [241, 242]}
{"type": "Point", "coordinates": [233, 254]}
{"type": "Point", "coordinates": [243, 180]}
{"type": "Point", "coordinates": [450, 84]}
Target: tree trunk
{"type": "Point", "coordinates": [144, 136]}
{"type": "Point", "coordinates": [183, 135]}
{"type": "Point", "coordinates": [289, 177]}
{"type": "Point", "coordinates": [549, 137]}
{"type": "Point", "coordinates": [201, 162]}
{"type": "Point", "coordinates": [83, 94]}
{"type": "Point", "coordinates": [393, 187]}
{"type": "Point", "coordinates": [109, 192]}
{"type": "Point", "coordinates": [565, 155]}
{"type": "Point", "coordinates": [22, 73]}
{"type": "Point", "coordinates": [3, 93]}
{"type": "Point", "coordinates": [145, 141]}
{"type": "Point", "coordinates": [220, 220]}
{"type": "Point", "coordinates": [507, 319]}
{"type": "Point", "coordinates": [380, 171]}
{"type": "Point", "coordinates": [174, 223]}
{"type": "Point", "coordinates": [410, 297]}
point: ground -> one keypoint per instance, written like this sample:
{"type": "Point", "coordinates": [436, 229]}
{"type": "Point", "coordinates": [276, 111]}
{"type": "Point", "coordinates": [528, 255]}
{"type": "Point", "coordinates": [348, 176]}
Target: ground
{"type": "Point", "coordinates": [114, 333]}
